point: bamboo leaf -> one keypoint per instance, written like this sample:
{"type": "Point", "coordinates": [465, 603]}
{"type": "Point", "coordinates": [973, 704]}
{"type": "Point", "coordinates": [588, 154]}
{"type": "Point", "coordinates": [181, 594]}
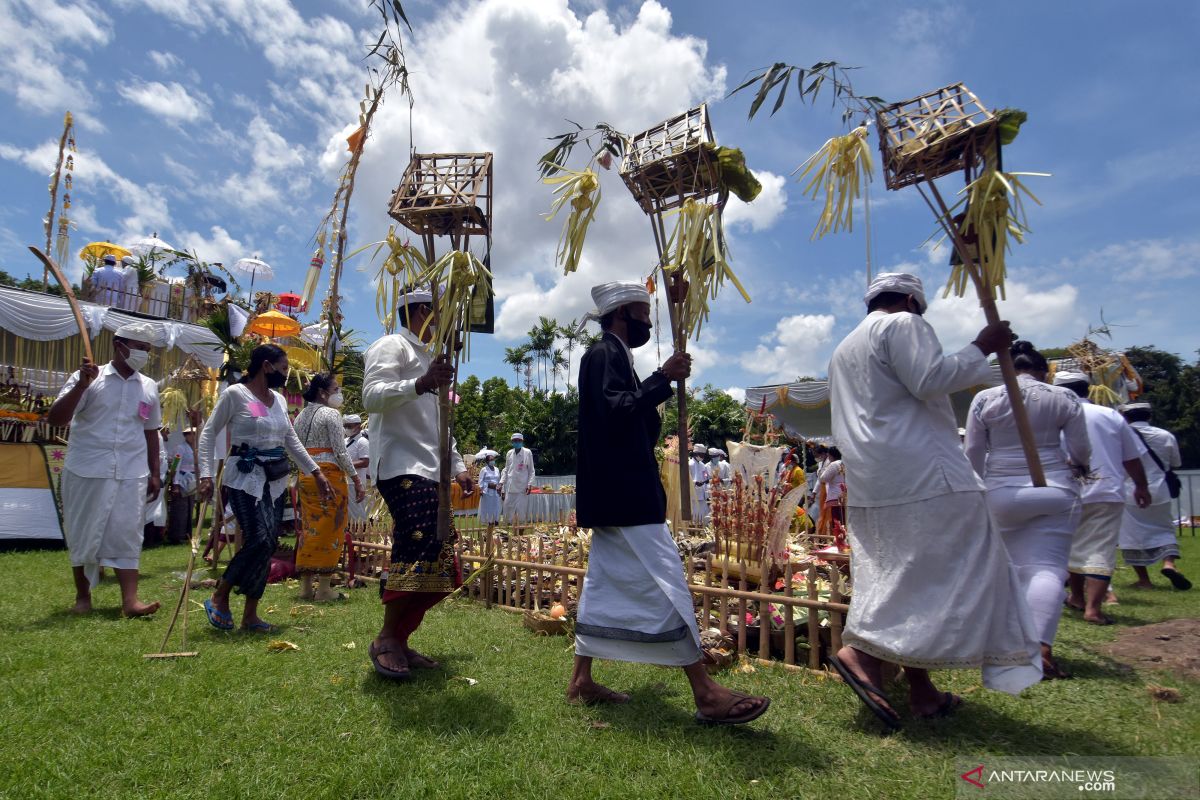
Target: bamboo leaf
{"type": "Point", "coordinates": [768, 83]}
{"type": "Point", "coordinates": [783, 84]}
{"type": "Point", "coordinates": [399, 9]}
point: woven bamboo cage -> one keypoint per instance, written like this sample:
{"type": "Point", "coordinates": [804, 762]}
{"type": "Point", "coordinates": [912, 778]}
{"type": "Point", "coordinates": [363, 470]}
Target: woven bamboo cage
{"type": "Point", "coordinates": [445, 194]}
{"type": "Point", "coordinates": [673, 162]}
{"type": "Point", "coordinates": [938, 133]}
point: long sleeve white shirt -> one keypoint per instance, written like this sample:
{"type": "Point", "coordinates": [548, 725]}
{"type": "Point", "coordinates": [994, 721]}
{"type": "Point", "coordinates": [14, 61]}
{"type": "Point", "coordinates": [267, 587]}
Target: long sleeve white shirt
{"type": "Point", "coordinates": [993, 444]}
{"type": "Point", "coordinates": [404, 426]}
{"type": "Point", "coordinates": [833, 475]}
{"type": "Point", "coordinates": [108, 429]}
{"type": "Point", "coordinates": [258, 425]}
{"type": "Point", "coordinates": [890, 385]}
{"type": "Point", "coordinates": [518, 473]}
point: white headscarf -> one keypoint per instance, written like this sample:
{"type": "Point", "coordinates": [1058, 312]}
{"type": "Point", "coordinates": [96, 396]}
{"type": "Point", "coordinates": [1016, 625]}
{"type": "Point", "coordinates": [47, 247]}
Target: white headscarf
{"type": "Point", "coordinates": [138, 332]}
{"type": "Point", "coordinates": [1066, 376]}
{"type": "Point", "coordinates": [611, 296]}
{"type": "Point", "coordinates": [899, 282]}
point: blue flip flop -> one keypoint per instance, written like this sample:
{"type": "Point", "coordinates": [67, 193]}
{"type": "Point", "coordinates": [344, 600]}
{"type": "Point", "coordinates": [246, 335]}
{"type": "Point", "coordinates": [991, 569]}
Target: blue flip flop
{"type": "Point", "coordinates": [222, 622]}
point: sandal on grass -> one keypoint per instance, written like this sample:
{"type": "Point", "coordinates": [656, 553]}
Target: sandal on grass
{"type": "Point", "coordinates": [723, 717]}
{"type": "Point", "coordinates": [375, 651]}
{"type": "Point", "coordinates": [1176, 578]}
{"type": "Point", "coordinates": [260, 627]}
{"type": "Point", "coordinates": [420, 661]}
{"type": "Point", "coordinates": [604, 696]}
{"type": "Point", "coordinates": [864, 691]}
{"type": "Point", "coordinates": [221, 620]}
{"type": "Point", "coordinates": [950, 704]}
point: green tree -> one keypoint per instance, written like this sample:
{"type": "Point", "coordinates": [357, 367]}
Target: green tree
{"type": "Point", "coordinates": [470, 421]}
{"type": "Point", "coordinates": [713, 417]}
{"type": "Point", "coordinates": [550, 423]}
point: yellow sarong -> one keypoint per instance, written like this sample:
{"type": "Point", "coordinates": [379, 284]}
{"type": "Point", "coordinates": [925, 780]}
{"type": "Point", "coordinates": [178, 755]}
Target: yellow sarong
{"type": "Point", "coordinates": [324, 524]}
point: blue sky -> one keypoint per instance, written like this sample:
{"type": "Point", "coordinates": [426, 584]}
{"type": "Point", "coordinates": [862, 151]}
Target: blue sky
{"type": "Point", "coordinates": [220, 124]}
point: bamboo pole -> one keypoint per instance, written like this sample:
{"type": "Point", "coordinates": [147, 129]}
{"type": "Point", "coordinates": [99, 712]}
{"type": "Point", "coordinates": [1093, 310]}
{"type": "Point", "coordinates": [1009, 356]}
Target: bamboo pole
{"type": "Point", "coordinates": [992, 315]}
{"type": "Point", "coordinates": [62, 146]}
{"type": "Point", "coordinates": [814, 628]}
{"type": "Point", "coordinates": [789, 627]}
{"type": "Point", "coordinates": [51, 267]}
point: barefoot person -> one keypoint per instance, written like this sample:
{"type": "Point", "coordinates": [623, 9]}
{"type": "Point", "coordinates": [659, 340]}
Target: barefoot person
{"type": "Point", "coordinates": [1035, 522]}
{"type": "Point", "coordinates": [933, 586]}
{"type": "Point", "coordinates": [635, 605]}
{"type": "Point", "coordinates": [319, 427]}
{"type": "Point", "coordinates": [255, 478]}
{"type": "Point", "coordinates": [112, 466]}
{"type": "Point", "coordinates": [1148, 534]}
{"type": "Point", "coordinates": [1116, 452]}
{"type": "Point", "coordinates": [401, 379]}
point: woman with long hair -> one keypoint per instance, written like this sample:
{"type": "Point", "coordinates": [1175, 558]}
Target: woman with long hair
{"type": "Point", "coordinates": [1037, 523]}
{"type": "Point", "coordinates": [323, 535]}
{"type": "Point", "coordinates": [256, 478]}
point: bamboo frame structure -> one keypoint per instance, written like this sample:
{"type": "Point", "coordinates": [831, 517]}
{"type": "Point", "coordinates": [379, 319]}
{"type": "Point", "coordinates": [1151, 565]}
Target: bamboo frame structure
{"type": "Point", "coordinates": [940, 133]}
{"type": "Point", "coordinates": [664, 166]}
{"type": "Point", "coordinates": [447, 194]}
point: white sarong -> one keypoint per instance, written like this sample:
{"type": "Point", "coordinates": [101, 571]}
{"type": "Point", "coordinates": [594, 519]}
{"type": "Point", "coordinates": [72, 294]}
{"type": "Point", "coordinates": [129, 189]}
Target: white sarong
{"type": "Point", "coordinates": [516, 506]}
{"type": "Point", "coordinates": [103, 519]}
{"type": "Point", "coordinates": [636, 605]}
{"type": "Point", "coordinates": [934, 589]}
{"type": "Point", "coordinates": [1094, 548]}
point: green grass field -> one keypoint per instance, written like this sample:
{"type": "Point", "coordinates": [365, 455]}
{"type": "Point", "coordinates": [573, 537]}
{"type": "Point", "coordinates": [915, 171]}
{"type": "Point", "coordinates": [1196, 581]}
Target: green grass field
{"type": "Point", "coordinates": [85, 715]}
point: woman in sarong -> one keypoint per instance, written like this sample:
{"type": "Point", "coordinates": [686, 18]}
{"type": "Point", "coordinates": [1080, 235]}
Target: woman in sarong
{"type": "Point", "coordinates": [489, 485]}
{"type": "Point", "coordinates": [1036, 523]}
{"type": "Point", "coordinates": [323, 524]}
{"type": "Point", "coordinates": [255, 478]}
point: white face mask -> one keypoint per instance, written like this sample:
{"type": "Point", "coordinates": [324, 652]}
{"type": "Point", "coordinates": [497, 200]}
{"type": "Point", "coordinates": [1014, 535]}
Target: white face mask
{"type": "Point", "coordinates": [335, 400]}
{"type": "Point", "coordinates": [137, 360]}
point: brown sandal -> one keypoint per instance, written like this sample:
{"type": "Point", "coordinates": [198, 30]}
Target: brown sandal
{"type": "Point", "coordinates": [723, 717]}
{"type": "Point", "coordinates": [375, 651]}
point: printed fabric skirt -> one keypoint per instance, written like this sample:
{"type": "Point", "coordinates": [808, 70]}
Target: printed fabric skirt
{"type": "Point", "coordinates": [420, 563]}
{"type": "Point", "coordinates": [324, 536]}
{"type": "Point", "coordinates": [260, 519]}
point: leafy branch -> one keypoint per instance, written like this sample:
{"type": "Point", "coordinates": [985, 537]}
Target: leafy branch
{"type": "Point", "coordinates": [604, 141]}
{"type": "Point", "coordinates": [831, 76]}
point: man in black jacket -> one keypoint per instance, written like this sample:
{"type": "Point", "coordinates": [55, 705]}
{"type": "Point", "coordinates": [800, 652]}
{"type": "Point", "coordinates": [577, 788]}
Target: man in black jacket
{"type": "Point", "coordinates": [636, 605]}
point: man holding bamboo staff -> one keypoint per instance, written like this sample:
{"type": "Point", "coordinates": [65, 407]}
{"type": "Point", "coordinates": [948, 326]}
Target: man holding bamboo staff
{"type": "Point", "coordinates": [401, 378]}
{"type": "Point", "coordinates": [636, 605]}
{"type": "Point", "coordinates": [933, 586]}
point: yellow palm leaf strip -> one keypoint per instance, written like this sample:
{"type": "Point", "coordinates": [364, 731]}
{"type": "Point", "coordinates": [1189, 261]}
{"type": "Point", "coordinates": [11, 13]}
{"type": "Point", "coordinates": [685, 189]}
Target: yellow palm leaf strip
{"type": "Point", "coordinates": [582, 191]}
{"type": "Point", "coordinates": [838, 170]}
{"type": "Point", "coordinates": [458, 276]}
{"type": "Point", "coordinates": [696, 250]}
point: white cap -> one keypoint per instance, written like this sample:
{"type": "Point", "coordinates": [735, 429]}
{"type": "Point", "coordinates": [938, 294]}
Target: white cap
{"type": "Point", "coordinates": [611, 296]}
{"type": "Point", "coordinates": [109, 259]}
{"type": "Point", "coordinates": [1136, 407]}
{"type": "Point", "coordinates": [517, 437]}
{"type": "Point", "coordinates": [1067, 376]}
{"type": "Point", "coordinates": [699, 448]}
{"type": "Point", "coordinates": [414, 297]}
{"type": "Point", "coordinates": [712, 451]}
{"type": "Point", "coordinates": [352, 419]}
{"type": "Point", "coordinates": [899, 282]}
{"type": "Point", "coordinates": [138, 332]}
{"type": "Point", "coordinates": [129, 260]}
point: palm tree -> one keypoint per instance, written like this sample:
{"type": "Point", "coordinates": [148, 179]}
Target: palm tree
{"type": "Point", "coordinates": [571, 335]}
{"type": "Point", "coordinates": [541, 345]}
{"type": "Point", "coordinates": [557, 364]}
{"type": "Point", "coordinates": [516, 358]}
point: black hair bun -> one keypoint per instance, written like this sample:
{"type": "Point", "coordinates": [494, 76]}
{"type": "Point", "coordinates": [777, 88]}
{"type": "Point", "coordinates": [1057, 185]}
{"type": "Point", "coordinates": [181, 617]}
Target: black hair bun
{"type": "Point", "coordinates": [1022, 346]}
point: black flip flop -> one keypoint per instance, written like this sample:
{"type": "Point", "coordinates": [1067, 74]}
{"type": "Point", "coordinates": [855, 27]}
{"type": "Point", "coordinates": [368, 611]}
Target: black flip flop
{"type": "Point", "coordinates": [742, 719]}
{"type": "Point", "coordinates": [381, 670]}
{"type": "Point", "coordinates": [950, 703]}
{"type": "Point", "coordinates": [864, 691]}
{"type": "Point", "coordinates": [1177, 579]}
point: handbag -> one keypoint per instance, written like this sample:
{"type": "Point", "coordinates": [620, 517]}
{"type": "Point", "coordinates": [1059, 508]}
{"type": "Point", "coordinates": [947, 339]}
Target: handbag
{"type": "Point", "coordinates": [276, 469]}
{"type": "Point", "coordinates": [1174, 484]}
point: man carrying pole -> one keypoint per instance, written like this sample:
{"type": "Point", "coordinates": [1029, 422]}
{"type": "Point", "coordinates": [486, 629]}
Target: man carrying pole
{"type": "Point", "coordinates": [635, 605]}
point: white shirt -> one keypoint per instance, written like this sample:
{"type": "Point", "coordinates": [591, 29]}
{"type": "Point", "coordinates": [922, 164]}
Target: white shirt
{"type": "Point", "coordinates": [1113, 442]}
{"type": "Point", "coordinates": [833, 475]}
{"type": "Point", "coordinates": [404, 427]}
{"type": "Point", "coordinates": [1165, 446]}
{"type": "Point", "coordinates": [260, 426]}
{"type": "Point", "coordinates": [108, 285]}
{"type": "Point", "coordinates": [518, 471]}
{"type": "Point", "coordinates": [725, 471]}
{"type": "Point", "coordinates": [889, 387]}
{"type": "Point", "coordinates": [489, 481]}
{"type": "Point", "coordinates": [994, 447]}
{"type": "Point", "coordinates": [108, 430]}
{"type": "Point", "coordinates": [187, 458]}
{"type": "Point", "coordinates": [700, 474]}
{"type": "Point", "coordinates": [358, 448]}
{"type": "Point", "coordinates": [132, 288]}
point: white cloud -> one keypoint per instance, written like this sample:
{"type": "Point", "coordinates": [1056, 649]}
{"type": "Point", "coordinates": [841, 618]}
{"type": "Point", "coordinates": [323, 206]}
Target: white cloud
{"type": "Point", "coordinates": [766, 209]}
{"type": "Point", "coordinates": [275, 165]}
{"type": "Point", "coordinates": [168, 101]}
{"type": "Point", "coordinates": [1045, 316]}
{"type": "Point", "coordinates": [798, 346]}
{"type": "Point", "coordinates": [167, 62]}
{"type": "Point", "coordinates": [218, 246]}
{"type": "Point", "coordinates": [737, 393]}
{"type": "Point", "coordinates": [1147, 261]}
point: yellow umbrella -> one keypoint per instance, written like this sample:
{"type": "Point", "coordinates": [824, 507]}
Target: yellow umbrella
{"type": "Point", "coordinates": [274, 325]}
{"type": "Point", "coordinates": [303, 357]}
{"type": "Point", "coordinates": [98, 250]}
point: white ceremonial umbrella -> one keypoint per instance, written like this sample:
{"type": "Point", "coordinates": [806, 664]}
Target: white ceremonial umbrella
{"type": "Point", "coordinates": [150, 247]}
{"type": "Point", "coordinates": [254, 268]}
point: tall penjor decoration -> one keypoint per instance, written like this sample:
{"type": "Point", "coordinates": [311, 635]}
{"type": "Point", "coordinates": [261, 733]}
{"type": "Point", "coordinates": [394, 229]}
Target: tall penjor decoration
{"type": "Point", "coordinates": [62, 177]}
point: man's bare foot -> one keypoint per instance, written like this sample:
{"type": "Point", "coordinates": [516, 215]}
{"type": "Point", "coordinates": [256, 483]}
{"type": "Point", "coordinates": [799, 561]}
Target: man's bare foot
{"type": "Point", "coordinates": [140, 609]}
{"type": "Point", "coordinates": [592, 693]}
{"type": "Point", "coordinates": [937, 704]}
{"type": "Point", "coordinates": [1141, 585]}
{"type": "Point", "coordinates": [83, 605]}
{"type": "Point", "coordinates": [1097, 618]}
{"type": "Point", "coordinates": [419, 661]}
{"type": "Point", "coordinates": [716, 705]}
{"type": "Point", "coordinates": [1110, 598]}
{"type": "Point", "coordinates": [1077, 605]}
{"type": "Point", "coordinates": [868, 670]}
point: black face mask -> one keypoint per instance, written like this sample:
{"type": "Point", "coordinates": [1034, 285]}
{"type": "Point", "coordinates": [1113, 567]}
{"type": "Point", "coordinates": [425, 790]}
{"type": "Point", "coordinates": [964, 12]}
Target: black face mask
{"type": "Point", "coordinates": [276, 380]}
{"type": "Point", "coordinates": [637, 331]}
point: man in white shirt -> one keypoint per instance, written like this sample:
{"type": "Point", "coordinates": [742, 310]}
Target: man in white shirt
{"type": "Point", "coordinates": [401, 379]}
{"type": "Point", "coordinates": [719, 466]}
{"type": "Point", "coordinates": [1116, 452]}
{"type": "Point", "coordinates": [108, 283]}
{"type": "Point", "coordinates": [183, 490]}
{"type": "Point", "coordinates": [933, 586]}
{"type": "Point", "coordinates": [112, 465]}
{"type": "Point", "coordinates": [359, 450]}
{"type": "Point", "coordinates": [1148, 534]}
{"type": "Point", "coordinates": [131, 300]}
{"type": "Point", "coordinates": [700, 475]}
{"type": "Point", "coordinates": [516, 479]}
